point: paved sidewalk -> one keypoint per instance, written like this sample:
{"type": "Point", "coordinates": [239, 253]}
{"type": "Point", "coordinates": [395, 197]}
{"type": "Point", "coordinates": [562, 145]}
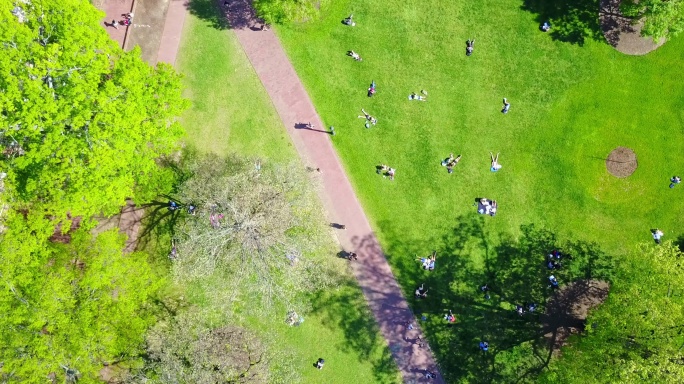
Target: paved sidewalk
{"type": "Point", "coordinates": [173, 29]}
{"type": "Point", "coordinates": [372, 271]}
{"type": "Point", "coordinates": [114, 10]}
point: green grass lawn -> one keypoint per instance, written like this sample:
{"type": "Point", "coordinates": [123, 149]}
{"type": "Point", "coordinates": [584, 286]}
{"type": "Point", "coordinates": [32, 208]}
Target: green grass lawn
{"type": "Point", "coordinates": [571, 104]}
{"type": "Point", "coordinates": [231, 113]}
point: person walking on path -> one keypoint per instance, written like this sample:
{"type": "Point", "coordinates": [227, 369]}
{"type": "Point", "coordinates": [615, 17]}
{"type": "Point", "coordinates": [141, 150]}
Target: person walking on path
{"type": "Point", "coordinates": [291, 101]}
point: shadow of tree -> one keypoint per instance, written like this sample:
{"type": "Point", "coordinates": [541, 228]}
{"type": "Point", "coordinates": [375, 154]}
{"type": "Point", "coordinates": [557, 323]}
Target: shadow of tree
{"type": "Point", "coordinates": [572, 21]}
{"type": "Point", "coordinates": [233, 14]}
{"type": "Point", "coordinates": [515, 270]}
{"type": "Point", "coordinates": [347, 310]}
{"type": "Point", "coordinates": [209, 11]}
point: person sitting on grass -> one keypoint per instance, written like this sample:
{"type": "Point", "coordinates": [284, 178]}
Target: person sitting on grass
{"type": "Point", "coordinates": [391, 172]}
{"type": "Point", "coordinates": [348, 21]}
{"type": "Point", "coordinates": [293, 319]}
{"type": "Point", "coordinates": [520, 310]}
{"type": "Point", "coordinates": [447, 160]}
{"type": "Point", "coordinates": [551, 265]}
{"type": "Point", "coordinates": [450, 317]}
{"type": "Point", "coordinates": [484, 346]}
{"type": "Point", "coordinates": [354, 55]}
{"type": "Point", "coordinates": [657, 235]}
{"type": "Point", "coordinates": [469, 46]}
{"type": "Point", "coordinates": [431, 266]}
{"type": "Point", "coordinates": [495, 162]}
{"type": "Point", "coordinates": [492, 208]}
{"type": "Point", "coordinates": [553, 281]}
{"type": "Point", "coordinates": [531, 307]}
{"type": "Point", "coordinates": [485, 290]}
{"type": "Point", "coordinates": [320, 363]}
{"type": "Point", "coordinates": [421, 292]}
{"type": "Point", "coordinates": [381, 168]}
{"type": "Point", "coordinates": [545, 27]}
{"type": "Point", "coordinates": [371, 89]}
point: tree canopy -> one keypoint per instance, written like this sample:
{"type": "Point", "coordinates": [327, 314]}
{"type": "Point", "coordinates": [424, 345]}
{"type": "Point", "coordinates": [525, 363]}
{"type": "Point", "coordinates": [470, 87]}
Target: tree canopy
{"type": "Point", "coordinates": [662, 18]}
{"type": "Point", "coordinates": [85, 310]}
{"type": "Point", "coordinates": [81, 121]}
{"type": "Point", "coordinates": [258, 224]}
{"type": "Point", "coordinates": [637, 335]}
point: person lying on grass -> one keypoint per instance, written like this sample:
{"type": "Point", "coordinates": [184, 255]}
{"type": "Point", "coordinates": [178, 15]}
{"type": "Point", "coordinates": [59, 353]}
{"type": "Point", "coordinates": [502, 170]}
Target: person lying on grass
{"type": "Point", "coordinates": [495, 162]}
{"type": "Point", "coordinates": [451, 164]}
{"type": "Point", "coordinates": [415, 96]}
{"type": "Point", "coordinates": [369, 119]}
{"type": "Point", "coordinates": [354, 55]}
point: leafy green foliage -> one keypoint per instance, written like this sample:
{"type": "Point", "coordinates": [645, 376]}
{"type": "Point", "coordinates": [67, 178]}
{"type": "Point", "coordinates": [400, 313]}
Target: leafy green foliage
{"type": "Point", "coordinates": [81, 121]}
{"type": "Point", "coordinates": [281, 11]}
{"type": "Point", "coordinates": [516, 272]}
{"type": "Point", "coordinates": [637, 335]}
{"type": "Point", "coordinates": [662, 18]}
{"type": "Point", "coordinates": [86, 309]}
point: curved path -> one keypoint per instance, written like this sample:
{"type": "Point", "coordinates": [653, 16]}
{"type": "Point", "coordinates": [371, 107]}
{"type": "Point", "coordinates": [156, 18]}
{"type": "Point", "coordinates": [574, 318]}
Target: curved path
{"type": "Point", "coordinates": [372, 271]}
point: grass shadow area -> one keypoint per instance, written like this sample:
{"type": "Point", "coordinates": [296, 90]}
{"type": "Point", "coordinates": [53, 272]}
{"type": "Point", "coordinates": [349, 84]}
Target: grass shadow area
{"type": "Point", "coordinates": [572, 21]}
{"type": "Point", "coordinates": [516, 273]}
{"type": "Point", "coordinates": [209, 11]}
{"type": "Point", "coordinates": [345, 309]}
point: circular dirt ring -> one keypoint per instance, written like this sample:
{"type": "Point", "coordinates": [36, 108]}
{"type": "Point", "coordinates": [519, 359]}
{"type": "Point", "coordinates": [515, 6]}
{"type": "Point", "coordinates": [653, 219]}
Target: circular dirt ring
{"type": "Point", "coordinates": [622, 162]}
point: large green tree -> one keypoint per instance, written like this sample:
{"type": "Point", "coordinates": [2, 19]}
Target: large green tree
{"type": "Point", "coordinates": [81, 121]}
{"type": "Point", "coordinates": [86, 309]}
{"type": "Point", "coordinates": [637, 335]}
{"type": "Point", "coordinates": [662, 18]}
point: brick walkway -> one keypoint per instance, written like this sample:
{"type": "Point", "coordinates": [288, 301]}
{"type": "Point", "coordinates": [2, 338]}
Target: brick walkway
{"type": "Point", "coordinates": [373, 273]}
{"type": "Point", "coordinates": [113, 10]}
{"type": "Point", "coordinates": [294, 107]}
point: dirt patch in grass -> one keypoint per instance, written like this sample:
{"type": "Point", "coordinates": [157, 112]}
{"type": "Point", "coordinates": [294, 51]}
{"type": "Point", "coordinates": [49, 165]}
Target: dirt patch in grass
{"type": "Point", "coordinates": [621, 162]}
{"type": "Point", "coordinates": [567, 311]}
{"type": "Point", "coordinates": [623, 33]}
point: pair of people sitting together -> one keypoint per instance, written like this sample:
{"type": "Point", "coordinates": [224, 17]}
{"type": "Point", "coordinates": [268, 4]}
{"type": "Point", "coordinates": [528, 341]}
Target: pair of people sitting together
{"type": "Point", "coordinates": [450, 162]}
{"type": "Point", "coordinates": [386, 171]}
{"type": "Point", "coordinates": [429, 262]}
{"type": "Point", "coordinates": [487, 207]}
